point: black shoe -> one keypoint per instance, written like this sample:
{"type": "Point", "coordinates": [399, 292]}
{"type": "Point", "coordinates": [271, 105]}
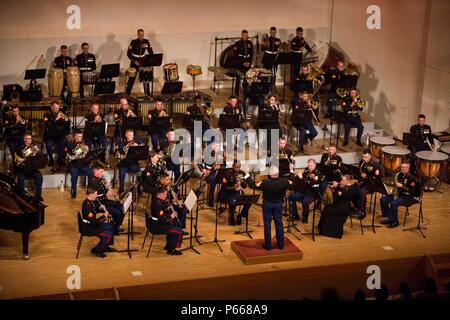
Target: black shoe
{"type": "Point", "coordinates": [385, 220]}
{"type": "Point", "coordinates": [305, 219]}
{"type": "Point", "coordinates": [296, 217]}
{"type": "Point", "coordinates": [265, 248]}
{"type": "Point", "coordinates": [345, 143]}
{"type": "Point", "coordinates": [359, 143]}
{"type": "Point", "coordinates": [231, 221]}
{"type": "Point", "coordinates": [73, 195]}
{"type": "Point", "coordinates": [110, 249]}
{"type": "Point", "coordinates": [239, 220]}
{"type": "Point", "coordinates": [393, 225]}
{"type": "Point", "coordinates": [174, 252]}
{"type": "Point", "coordinates": [362, 215]}
{"type": "Point", "coordinates": [301, 149]}
{"type": "Point", "coordinates": [52, 171]}
{"type": "Point", "coordinates": [211, 204]}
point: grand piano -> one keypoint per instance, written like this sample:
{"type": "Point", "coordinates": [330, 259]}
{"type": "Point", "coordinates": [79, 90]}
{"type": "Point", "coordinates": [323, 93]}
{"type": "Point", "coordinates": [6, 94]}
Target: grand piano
{"type": "Point", "coordinates": [19, 210]}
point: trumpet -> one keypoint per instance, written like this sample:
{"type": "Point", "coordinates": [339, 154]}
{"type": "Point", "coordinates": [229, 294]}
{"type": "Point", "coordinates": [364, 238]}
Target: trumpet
{"type": "Point", "coordinates": [61, 115]}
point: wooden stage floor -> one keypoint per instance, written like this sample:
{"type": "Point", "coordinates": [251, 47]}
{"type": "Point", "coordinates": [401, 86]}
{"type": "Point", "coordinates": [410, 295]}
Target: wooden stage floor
{"type": "Point", "coordinates": [53, 248]}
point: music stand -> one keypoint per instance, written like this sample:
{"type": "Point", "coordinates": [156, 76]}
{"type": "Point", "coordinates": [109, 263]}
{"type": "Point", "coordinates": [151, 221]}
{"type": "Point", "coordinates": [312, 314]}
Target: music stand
{"type": "Point", "coordinates": [303, 85]}
{"type": "Point", "coordinates": [171, 88]}
{"type": "Point", "coordinates": [259, 88]}
{"type": "Point", "coordinates": [103, 89]}
{"type": "Point", "coordinates": [152, 60]}
{"type": "Point", "coordinates": [134, 123]}
{"type": "Point", "coordinates": [130, 209]}
{"type": "Point", "coordinates": [36, 162]}
{"type": "Point", "coordinates": [34, 74]}
{"type": "Point", "coordinates": [242, 200]}
{"type": "Point", "coordinates": [347, 81]}
{"type": "Point", "coordinates": [268, 60]}
{"type": "Point", "coordinates": [191, 245]}
{"type": "Point", "coordinates": [109, 71]}
{"type": "Point", "coordinates": [189, 120]}
{"type": "Point", "coordinates": [284, 58]}
{"type": "Point", "coordinates": [14, 131]}
{"type": "Point", "coordinates": [284, 167]}
{"type": "Point", "coordinates": [137, 153]}
{"type": "Point", "coordinates": [97, 129]}
{"type": "Point", "coordinates": [267, 119]}
{"type": "Point", "coordinates": [95, 154]}
{"type": "Point", "coordinates": [182, 181]}
{"type": "Point", "coordinates": [162, 122]}
{"type": "Point", "coordinates": [228, 121]}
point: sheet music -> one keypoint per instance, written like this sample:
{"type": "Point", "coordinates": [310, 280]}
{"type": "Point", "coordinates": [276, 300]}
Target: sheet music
{"type": "Point", "coordinates": [190, 201]}
{"type": "Point", "coordinates": [128, 201]}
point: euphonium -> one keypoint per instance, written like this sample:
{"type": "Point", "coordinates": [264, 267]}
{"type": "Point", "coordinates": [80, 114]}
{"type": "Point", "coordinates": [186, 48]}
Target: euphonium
{"type": "Point", "coordinates": [350, 69]}
{"type": "Point", "coordinates": [317, 76]}
{"type": "Point", "coordinates": [121, 156]}
{"type": "Point", "coordinates": [79, 152]}
{"type": "Point", "coordinates": [28, 151]}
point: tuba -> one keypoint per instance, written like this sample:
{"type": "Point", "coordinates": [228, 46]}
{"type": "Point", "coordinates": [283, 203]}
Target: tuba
{"type": "Point", "coordinates": [316, 75]}
{"type": "Point", "coordinates": [28, 151]}
{"type": "Point", "coordinates": [350, 70]}
{"type": "Point", "coordinates": [79, 152]}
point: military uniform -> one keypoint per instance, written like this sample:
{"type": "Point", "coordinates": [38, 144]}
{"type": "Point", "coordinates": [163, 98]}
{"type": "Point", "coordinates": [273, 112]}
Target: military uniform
{"type": "Point", "coordinates": [274, 44]}
{"type": "Point", "coordinates": [126, 166]}
{"type": "Point", "coordinates": [79, 167]}
{"type": "Point", "coordinates": [333, 77]}
{"type": "Point", "coordinates": [368, 184]}
{"type": "Point", "coordinates": [137, 50]}
{"type": "Point", "coordinates": [55, 136]}
{"type": "Point", "coordinates": [298, 44]}
{"type": "Point", "coordinates": [14, 142]}
{"type": "Point", "coordinates": [333, 163]}
{"type": "Point", "coordinates": [303, 117]}
{"type": "Point", "coordinates": [167, 147]}
{"type": "Point", "coordinates": [89, 137]}
{"type": "Point", "coordinates": [423, 134]}
{"type": "Point", "coordinates": [231, 195]}
{"type": "Point", "coordinates": [115, 208]}
{"type": "Point", "coordinates": [243, 53]}
{"type": "Point", "coordinates": [149, 178]}
{"type": "Point", "coordinates": [352, 119]}
{"type": "Point", "coordinates": [156, 132]}
{"type": "Point", "coordinates": [23, 174]}
{"type": "Point", "coordinates": [162, 222]}
{"type": "Point", "coordinates": [86, 63]}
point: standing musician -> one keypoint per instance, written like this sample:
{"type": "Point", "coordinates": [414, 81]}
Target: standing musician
{"type": "Point", "coordinates": [98, 183]}
{"type": "Point", "coordinates": [137, 50]}
{"type": "Point", "coordinates": [100, 226]}
{"type": "Point", "coordinates": [164, 219]}
{"type": "Point", "coordinates": [316, 184]}
{"type": "Point", "coordinates": [232, 185]}
{"type": "Point", "coordinates": [333, 162]}
{"type": "Point", "coordinates": [273, 192]}
{"type": "Point", "coordinates": [406, 188]}
{"type": "Point", "coordinates": [94, 117]}
{"type": "Point", "coordinates": [303, 111]}
{"type": "Point", "coordinates": [271, 128]}
{"type": "Point", "coordinates": [210, 167]}
{"type": "Point", "coordinates": [172, 197]}
{"type": "Point", "coordinates": [63, 61]}
{"type": "Point", "coordinates": [271, 46]}
{"type": "Point", "coordinates": [14, 119]}
{"type": "Point", "coordinates": [126, 166]}
{"type": "Point", "coordinates": [423, 134]}
{"type": "Point", "coordinates": [370, 173]}
{"type": "Point", "coordinates": [124, 111]}
{"type": "Point", "coordinates": [76, 152]}
{"type": "Point", "coordinates": [351, 105]}
{"type": "Point", "coordinates": [172, 160]}
{"type": "Point", "coordinates": [55, 122]}
{"type": "Point", "coordinates": [333, 76]}
{"type": "Point", "coordinates": [86, 63]}
{"type": "Point", "coordinates": [298, 45]}
{"type": "Point", "coordinates": [150, 175]}
{"type": "Point", "coordinates": [155, 131]}
{"type": "Point", "coordinates": [27, 150]}
{"type": "Point", "coordinates": [231, 108]}
{"type": "Point", "coordinates": [334, 215]}
{"type": "Point", "coordinates": [243, 52]}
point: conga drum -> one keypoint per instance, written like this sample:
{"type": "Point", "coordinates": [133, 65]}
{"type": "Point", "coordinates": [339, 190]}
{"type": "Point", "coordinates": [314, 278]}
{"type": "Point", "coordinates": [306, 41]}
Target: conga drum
{"type": "Point", "coordinates": [446, 150]}
{"type": "Point", "coordinates": [55, 82]}
{"type": "Point", "coordinates": [73, 80]}
{"type": "Point", "coordinates": [376, 143]}
{"type": "Point", "coordinates": [430, 165]}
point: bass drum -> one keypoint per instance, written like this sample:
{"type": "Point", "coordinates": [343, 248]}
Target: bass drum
{"type": "Point", "coordinates": [228, 60]}
{"type": "Point", "coordinates": [327, 56]}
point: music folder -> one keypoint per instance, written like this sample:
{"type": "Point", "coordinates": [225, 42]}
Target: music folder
{"type": "Point", "coordinates": [137, 153]}
{"type": "Point", "coordinates": [152, 60]}
{"type": "Point", "coordinates": [347, 81]}
{"type": "Point", "coordinates": [134, 123]}
{"type": "Point", "coordinates": [33, 74]}
{"type": "Point", "coordinates": [303, 85]}
{"type": "Point", "coordinates": [14, 131]}
{"type": "Point", "coordinates": [188, 120]}
{"type": "Point", "coordinates": [229, 121]}
{"type": "Point", "coordinates": [97, 128]}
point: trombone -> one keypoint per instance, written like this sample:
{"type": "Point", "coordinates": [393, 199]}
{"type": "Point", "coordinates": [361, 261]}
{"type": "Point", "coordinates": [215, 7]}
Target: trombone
{"type": "Point", "coordinates": [313, 105]}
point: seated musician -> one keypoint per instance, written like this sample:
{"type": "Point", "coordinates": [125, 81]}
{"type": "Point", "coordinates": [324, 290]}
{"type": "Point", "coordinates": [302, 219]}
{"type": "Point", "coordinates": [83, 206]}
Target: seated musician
{"type": "Point", "coordinates": [406, 188]}
{"type": "Point", "coordinates": [351, 105]}
{"type": "Point", "coordinates": [55, 134]}
{"type": "Point", "coordinates": [232, 185]}
{"type": "Point", "coordinates": [333, 163]}
{"type": "Point", "coordinates": [150, 175]}
{"type": "Point", "coordinates": [210, 167]}
{"type": "Point", "coordinates": [22, 171]}
{"type": "Point", "coordinates": [63, 61]}
{"type": "Point", "coordinates": [333, 76]}
{"type": "Point", "coordinates": [167, 145]}
{"type": "Point", "coordinates": [198, 108]}
{"type": "Point", "coordinates": [370, 172]}
{"type": "Point", "coordinates": [124, 111]}
{"type": "Point", "coordinates": [243, 52]}
{"type": "Point", "coordinates": [231, 108]}
{"type": "Point", "coordinates": [423, 135]}
{"type": "Point", "coordinates": [272, 128]}
{"type": "Point", "coordinates": [78, 166]}
{"type": "Point", "coordinates": [96, 225]}
{"type": "Point", "coordinates": [98, 183]}
{"type": "Point", "coordinates": [334, 215]}
{"type": "Point", "coordinates": [14, 119]}
{"type": "Point", "coordinates": [164, 219]}
{"type": "Point", "coordinates": [125, 165]}
{"type": "Point", "coordinates": [172, 197]}
{"type": "Point", "coordinates": [315, 184]}
{"type": "Point", "coordinates": [85, 61]}
{"type": "Point", "coordinates": [305, 74]}
{"type": "Point", "coordinates": [302, 111]}
{"type": "Point", "coordinates": [156, 133]}
{"type": "Point", "coordinates": [94, 117]}
{"type": "Point", "coordinates": [285, 153]}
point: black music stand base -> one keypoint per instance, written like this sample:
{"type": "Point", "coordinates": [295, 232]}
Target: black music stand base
{"type": "Point", "coordinates": [246, 231]}
{"type": "Point", "coordinates": [292, 225]}
{"type": "Point", "coordinates": [418, 227]}
{"type": "Point", "coordinates": [191, 245]}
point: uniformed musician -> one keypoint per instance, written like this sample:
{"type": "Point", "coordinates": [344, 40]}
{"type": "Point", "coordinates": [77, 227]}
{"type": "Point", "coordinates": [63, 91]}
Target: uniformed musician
{"type": "Point", "coordinates": [423, 135]}
{"type": "Point", "coordinates": [351, 105]}
{"type": "Point", "coordinates": [172, 197]}
{"type": "Point", "coordinates": [96, 222]}
{"type": "Point", "coordinates": [94, 117]}
{"type": "Point", "coordinates": [63, 61]}
{"type": "Point", "coordinates": [273, 128]}
{"type": "Point", "coordinates": [164, 219]}
{"type": "Point", "coordinates": [76, 152]}
{"type": "Point", "coordinates": [333, 162]}
{"type": "Point", "coordinates": [233, 108]}
{"type": "Point", "coordinates": [302, 111]}
{"type": "Point", "coordinates": [243, 52]}
{"type": "Point", "coordinates": [85, 61]}
{"type": "Point", "coordinates": [333, 76]}
{"type": "Point", "coordinates": [172, 159]}
{"type": "Point", "coordinates": [125, 165]}
{"type": "Point", "coordinates": [138, 49]}
{"type": "Point", "coordinates": [298, 46]}
{"type": "Point", "coordinates": [98, 183]}
{"type": "Point", "coordinates": [14, 119]}
{"type": "Point", "coordinates": [315, 186]}
{"type": "Point", "coordinates": [406, 188]}
{"type": "Point", "coordinates": [156, 132]}
{"type": "Point", "coordinates": [370, 174]}
{"type": "Point", "coordinates": [28, 149]}
{"type": "Point", "coordinates": [210, 168]}
{"type": "Point", "coordinates": [271, 47]}
{"type": "Point", "coordinates": [56, 125]}
{"type": "Point", "coordinates": [124, 111]}
{"type": "Point", "coordinates": [285, 153]}
{"type": "Point", "coordinates": [150, 175]}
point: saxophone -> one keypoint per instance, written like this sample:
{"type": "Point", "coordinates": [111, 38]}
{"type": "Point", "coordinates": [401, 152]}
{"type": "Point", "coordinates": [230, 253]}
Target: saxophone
{"type": "Point", "coordinates": [79, 152]}
{"type": "Point", "coordinates": [27, 151]}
